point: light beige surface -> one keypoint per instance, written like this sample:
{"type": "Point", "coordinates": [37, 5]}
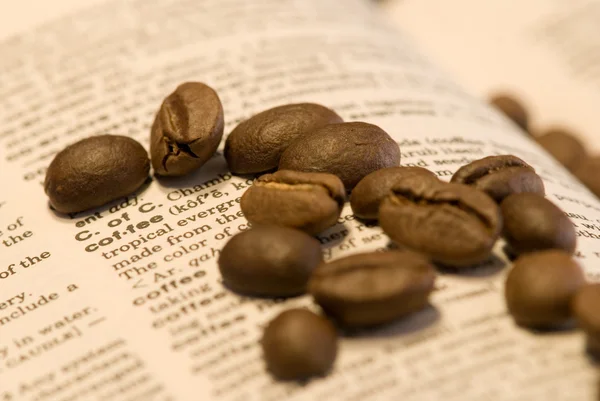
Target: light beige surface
{"type": "Point", "coordinates": [21, 15]}
{"type": "Point", "coordinates": [545, 51]}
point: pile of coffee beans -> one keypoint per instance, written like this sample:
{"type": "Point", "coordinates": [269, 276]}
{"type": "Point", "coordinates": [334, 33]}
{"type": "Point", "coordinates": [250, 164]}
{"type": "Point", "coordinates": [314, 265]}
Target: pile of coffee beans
{"type": "Point", "coordinates": [546, 288]}
{"type": "Point", "coordinates": [309, 160]}
{"type": "Point", "coordinates": [453, 224]}
{"type": "Point", "coordinates": [562, 144]}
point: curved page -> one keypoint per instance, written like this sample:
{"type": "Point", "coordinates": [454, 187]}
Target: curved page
{"type": "Point", "coordinates": [544, 51]}
{"type": "Point", "coordinates": [125, 302]}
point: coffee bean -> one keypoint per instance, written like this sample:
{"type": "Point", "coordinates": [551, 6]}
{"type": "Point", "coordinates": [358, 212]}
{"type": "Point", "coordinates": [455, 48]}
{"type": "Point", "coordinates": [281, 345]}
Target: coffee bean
{"type": "Point", "coordinates": [512, 109]}
{"type": "Point", "coordinates": [299, 344]}
{"type": "Point", "coordinates": [348, 150]}
{"type": "Point", "coordinates": [95, 171]}
{"type": "Point", "coordinates": [311, 202]}
{"type": "Point", "coordinates": [564, 147]}
{"type": "Point", "coordinates": [500, 176]}
{"type": "Point", "coordinates": [540, 287]}
{"type": "Point", "coordinates": [187, 130]}
{"type": "Point", "coordinates": [256, 145]}
{"type": "Point", "coordinates": [373, 288]}
{"type": "Point", "coordinates": [586, 312]}
{"type": "Point", "coordinates": [454, 224]}
{"type": "Point", "coordinates": [371, 190]}
{"type": "Point", "coordinates": [269, 261]}
{"type": "Point", "coordinates": [533, 223]}
{"type": "Point", "coordinates": [587, 172]}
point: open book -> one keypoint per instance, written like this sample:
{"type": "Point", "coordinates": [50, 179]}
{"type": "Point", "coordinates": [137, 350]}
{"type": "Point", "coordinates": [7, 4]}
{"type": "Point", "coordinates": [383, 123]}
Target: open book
{"type": "Point", "coordinates": [89, 315]}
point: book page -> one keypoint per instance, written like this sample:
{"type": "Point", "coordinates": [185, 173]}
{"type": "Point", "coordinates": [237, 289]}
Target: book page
{"type": "Point", "coordinates": [544, 51]}
{"type": "Point", "coordinates": [125, 302]}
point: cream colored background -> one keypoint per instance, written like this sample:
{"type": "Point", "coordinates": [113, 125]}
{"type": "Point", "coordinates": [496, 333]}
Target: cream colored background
{"type": "Point", "coordinates": [498, 44]}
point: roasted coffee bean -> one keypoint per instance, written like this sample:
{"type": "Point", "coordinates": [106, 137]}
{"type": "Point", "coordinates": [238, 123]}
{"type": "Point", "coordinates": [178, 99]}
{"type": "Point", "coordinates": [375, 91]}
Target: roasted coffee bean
{"type": "Point", "coordinates": [371, 190]}
{"type": "Point", "coordinates": [373, 288]}
{"type": "Point", "coordinates": [187, 130]}
{"type": "Point", "coordinates": [540, 287]}
{"type": "Point", "coordinates": [588, 172]}
{"type": "Point", "coordinates": [586, 312]}
{"type": "Point", "coordinates": [533, 223]}
{"type": "Point", "coordinates": [311, 202]}
{"type": "Point", "coordinates": [512, 109]}
{"type": "Point", "coordinates": [454, 224]}
{"type": "Point", "coordinates": [95, 171]}
{"type": "Point", "coordinates": [564, 147]}
{"type": "Point", "coordinates": [269, 261]}
{"type": "Point", "coordinates": [500, 176]}
{"type": "Point", "coordinates": [256, 145]}
{"type": "Point", "coordinates": [348, 150]}
{"type": "Point", "coordinates": [299, 344]}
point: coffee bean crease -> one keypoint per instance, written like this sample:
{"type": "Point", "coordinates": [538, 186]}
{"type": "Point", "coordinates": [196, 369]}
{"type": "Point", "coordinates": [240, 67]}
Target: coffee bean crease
{"type": "Point", "coordinates": [453, 224]}
{"type": "Point", "coordinates": [443, 198]}
{"type": "Point", "coordinates": [474, 171]}
{"type": "Point", "coordinates": [310, 202]}
{"type": "Point", "coordinates": [187, 129]}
